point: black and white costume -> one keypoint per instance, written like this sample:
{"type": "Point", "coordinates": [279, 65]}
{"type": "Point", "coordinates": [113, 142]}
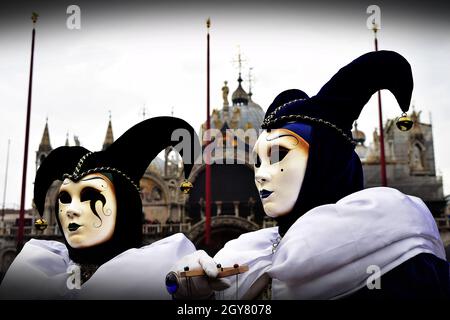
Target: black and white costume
{"type": "Point", "coordinates": [120, 267]}
{"type": "Point", "coordinates": [337, 234]}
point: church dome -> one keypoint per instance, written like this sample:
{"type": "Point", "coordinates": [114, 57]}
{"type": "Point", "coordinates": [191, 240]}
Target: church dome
{"type": "Point", "coordinates": [157, 166]}
{"type": "Point", "coordinates": [239, 95]}
{"type": "Point", "coordinates": [252, 115]}
{"type": "Point", "coordinates": [243, 114]}
{"type": "Point", "coordinates": [358, 135]}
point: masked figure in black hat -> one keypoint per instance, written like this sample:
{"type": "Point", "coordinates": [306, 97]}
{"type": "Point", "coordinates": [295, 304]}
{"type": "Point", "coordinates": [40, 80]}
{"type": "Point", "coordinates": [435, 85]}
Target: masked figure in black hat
{"type": "Point", "coordinates": [99, 212]}
{"type": "Point", "coordinates": [334, 239]}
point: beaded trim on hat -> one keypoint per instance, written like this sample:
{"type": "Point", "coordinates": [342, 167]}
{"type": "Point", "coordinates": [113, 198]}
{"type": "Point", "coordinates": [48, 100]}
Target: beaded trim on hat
{"type": "Point", "coordinates": [270, 120]}
{"type": "Point", "coordinates": [76, 175]}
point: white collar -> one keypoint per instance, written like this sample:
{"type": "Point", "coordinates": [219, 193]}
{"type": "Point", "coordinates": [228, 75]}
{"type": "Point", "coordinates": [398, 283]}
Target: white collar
{"type": "Point", "coordinates": [326, 252]}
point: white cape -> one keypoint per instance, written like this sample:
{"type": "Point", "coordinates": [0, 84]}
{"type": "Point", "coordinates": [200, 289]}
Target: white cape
{"type": "Point", "coordinates": [40, 272]}
{"type": "Point", "coordinates": [326, 253]}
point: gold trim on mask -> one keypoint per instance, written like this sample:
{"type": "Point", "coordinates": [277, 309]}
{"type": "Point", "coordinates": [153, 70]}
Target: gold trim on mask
{"type": "Point", "coordinates": [76, 175]}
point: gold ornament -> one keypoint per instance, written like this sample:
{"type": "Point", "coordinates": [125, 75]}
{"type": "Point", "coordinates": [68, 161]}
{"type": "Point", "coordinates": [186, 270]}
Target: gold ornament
{"type": "Point", "coordinates": [34, 17]}
{"type": "Point", "coordinates": [404, 123]}
{"type": "Point", "coordinates": [186, 186]}
{"type": "Point", "coordinates": [40, 224]}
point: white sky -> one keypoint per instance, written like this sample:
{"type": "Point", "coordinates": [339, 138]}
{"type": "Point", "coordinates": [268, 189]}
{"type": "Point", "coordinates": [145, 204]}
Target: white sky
{"type": "Point", "coordinates": [123, 60]}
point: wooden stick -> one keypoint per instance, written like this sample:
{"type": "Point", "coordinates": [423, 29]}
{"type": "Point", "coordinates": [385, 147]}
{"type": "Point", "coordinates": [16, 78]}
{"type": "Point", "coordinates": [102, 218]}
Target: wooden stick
{"type": "Point", "coordinates": [223, 272]}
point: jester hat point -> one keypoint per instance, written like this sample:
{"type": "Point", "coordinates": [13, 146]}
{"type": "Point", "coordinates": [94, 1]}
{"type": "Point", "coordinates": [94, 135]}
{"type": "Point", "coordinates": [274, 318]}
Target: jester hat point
{"type": "Point", "coordinates": [340, 101]}
{"type": "Point", "coordinates": [129, 156]}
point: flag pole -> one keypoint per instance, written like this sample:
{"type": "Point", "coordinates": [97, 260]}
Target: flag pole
{"type": "Point", "coordinates": [380, 113]}
{"type": "Point", "coordinates": [20, 231]}
{"type": "Point", "coordinates": [6, 181]}
{"type": "Point", "coordinates": [208, 126]}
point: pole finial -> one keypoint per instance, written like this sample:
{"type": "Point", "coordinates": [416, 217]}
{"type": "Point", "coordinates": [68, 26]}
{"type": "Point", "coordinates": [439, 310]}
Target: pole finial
{"type": "Point", "coordinates": [375, 27]}
{"type": "Point", "coordinates": [144, 113]}
{"type": "Point", "coordinates": [208, 23]}
{"type": "Point", "coordinates": [34, 17]}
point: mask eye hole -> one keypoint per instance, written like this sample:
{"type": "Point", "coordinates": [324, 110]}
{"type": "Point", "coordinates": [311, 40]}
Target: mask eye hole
{"type": "Point", "coordinates": [277, 153]}
{"type": "Point", "coordinates": [89, 194]}
{"type": "Point", "coordinates": [258, 161]}
{"type": "Point", "coordinates": [64, 197]}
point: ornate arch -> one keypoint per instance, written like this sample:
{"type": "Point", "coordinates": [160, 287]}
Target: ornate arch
{"type": "Point", "coordinates": [417, 153]}
{"type": "Point", "coordinates": [155, 197]}
{"type": "Point", "coordinates": [7, 256]}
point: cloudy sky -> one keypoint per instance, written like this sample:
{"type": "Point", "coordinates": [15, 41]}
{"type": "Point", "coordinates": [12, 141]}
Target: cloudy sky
{"type": "Point", "coordinates": [135, 55]}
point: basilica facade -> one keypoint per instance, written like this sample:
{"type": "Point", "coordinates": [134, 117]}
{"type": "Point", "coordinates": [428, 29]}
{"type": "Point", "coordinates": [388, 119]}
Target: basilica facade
{"type": "Point", "coordinates": [236, 206]}
{"type": "Point", "coordinates": [410, 162]}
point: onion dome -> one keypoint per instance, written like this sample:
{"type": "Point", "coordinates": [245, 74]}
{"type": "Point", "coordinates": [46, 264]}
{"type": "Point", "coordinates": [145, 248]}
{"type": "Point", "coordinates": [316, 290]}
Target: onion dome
{"type": "Point", "coordinates": [239, 96]}
{"type": "Point", "coordinates": [358, 136]}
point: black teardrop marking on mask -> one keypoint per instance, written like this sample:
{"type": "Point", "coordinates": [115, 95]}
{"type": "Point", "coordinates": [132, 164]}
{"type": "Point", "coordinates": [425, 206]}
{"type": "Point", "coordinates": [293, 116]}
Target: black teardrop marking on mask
{"type": "Point", "coordinates": [93, 195]}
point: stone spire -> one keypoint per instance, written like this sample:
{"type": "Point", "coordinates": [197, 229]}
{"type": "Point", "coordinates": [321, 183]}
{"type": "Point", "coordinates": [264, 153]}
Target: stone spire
{"type": "Point", "coordinates": [109, 138]}
{"type": "Point", "coordinates": [76, 140]}
{"type": "Point", "coordinates": [45, 145]}
{"type": "Point", "coordinates": [67, 140]}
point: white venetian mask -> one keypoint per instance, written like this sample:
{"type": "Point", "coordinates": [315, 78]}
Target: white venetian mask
{"type": "Point", "coordinates": [87, 210]}
{"type": "Point", "coordinates": [281, 159]}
